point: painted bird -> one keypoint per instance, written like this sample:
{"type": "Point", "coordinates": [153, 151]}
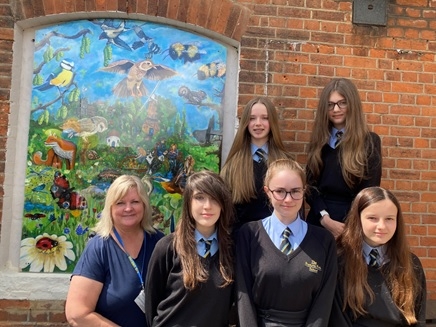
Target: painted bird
{"type": "Point", "coordinates": [62, 77]}
{"type": "Point", "coordinates": [112, 33]}
{"type": "Point", "coordinates": [143, 39]}
{"type": "Point", "coordinates": [133, 84]}
{"type": "Point", "coordinates": [84, 127]}
{"type": "Point", "coordinates": [193, 97]}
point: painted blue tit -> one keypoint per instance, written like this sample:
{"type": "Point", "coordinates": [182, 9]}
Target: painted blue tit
{"type": "Point", "coordinates": [62, 77]}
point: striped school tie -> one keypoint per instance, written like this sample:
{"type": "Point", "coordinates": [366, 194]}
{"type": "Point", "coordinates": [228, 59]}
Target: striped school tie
{"type": "Point", "coordinates": [285, 245]}
{"type": "Point", "coordinates": [207, 244]}
{"type": "Point", "coordinates": [262, 155]}
{"type": "Point", "coordinates": [373, 256]}
{"type": "Point", "coordinates": [338, 138]}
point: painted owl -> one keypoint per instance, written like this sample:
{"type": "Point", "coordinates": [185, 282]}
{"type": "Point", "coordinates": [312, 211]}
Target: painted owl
{"type": "Point", "coordinates": [84, 127]}
{"type": "Point", "coordinates": [133, 84]}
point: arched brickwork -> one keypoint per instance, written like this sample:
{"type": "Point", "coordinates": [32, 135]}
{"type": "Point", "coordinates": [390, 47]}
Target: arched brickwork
{"type": "Point", "coordinates": [220, 16]}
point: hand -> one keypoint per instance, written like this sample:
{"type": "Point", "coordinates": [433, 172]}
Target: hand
{"type": "Point", "coordinates": [335, 227]}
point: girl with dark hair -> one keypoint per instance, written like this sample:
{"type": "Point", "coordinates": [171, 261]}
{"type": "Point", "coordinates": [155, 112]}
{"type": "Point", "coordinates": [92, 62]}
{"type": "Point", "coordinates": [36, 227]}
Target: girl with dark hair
{"type": "Point", "coordinates": [344, 157]}
{"type": "Point", "coordinates": [257, 142]}
{"type": "Point", "coordinates": [380, 282]}
{"type": "Point", "coordinates": [190, 276]}
{"type": "Point", "coordinates": [286, 269]}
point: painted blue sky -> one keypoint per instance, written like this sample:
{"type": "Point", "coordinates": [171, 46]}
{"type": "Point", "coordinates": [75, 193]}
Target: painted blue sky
{"type": "Point", "coordinates": [97, 85]}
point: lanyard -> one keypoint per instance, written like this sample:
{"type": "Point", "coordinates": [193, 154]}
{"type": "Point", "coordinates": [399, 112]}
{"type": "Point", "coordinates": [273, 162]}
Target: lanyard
{"type": "Point", "coordinates": [132, 262]}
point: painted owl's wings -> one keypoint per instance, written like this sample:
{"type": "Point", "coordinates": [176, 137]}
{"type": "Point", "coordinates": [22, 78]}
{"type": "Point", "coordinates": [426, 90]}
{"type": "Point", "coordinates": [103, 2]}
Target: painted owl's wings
{"type": "Point", "coordinates": [120, 66]}
{"type": "Point", "coordinates": [159, 72]}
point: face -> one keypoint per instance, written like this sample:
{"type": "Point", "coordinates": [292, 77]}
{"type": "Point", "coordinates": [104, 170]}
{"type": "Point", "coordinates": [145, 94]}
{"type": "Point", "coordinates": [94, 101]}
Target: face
{"type": "Point", "coordinates": [379, 222]}
{"type": "Point", "coordinates": [258, 127]}
{"type": "Point", "coordinates": [337, 115]}
{"type": "Point", "coordinates": [127, 212]}
{"type": "Point", "coordinates": [205, 210]}
{"type": "Point", "coordinates": [289, 181]}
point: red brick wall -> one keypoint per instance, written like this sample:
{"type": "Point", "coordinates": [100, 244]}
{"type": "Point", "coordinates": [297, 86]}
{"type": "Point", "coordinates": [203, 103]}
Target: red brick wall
{"type": "Point", "coordinates": [20, 313]}
{"type": "Point", "coordinates": [289, 52]}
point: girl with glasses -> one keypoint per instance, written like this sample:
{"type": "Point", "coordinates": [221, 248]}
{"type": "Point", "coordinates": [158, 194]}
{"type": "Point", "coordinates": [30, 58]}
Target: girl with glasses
{"type": "Point", "coordinates": [380, 282]}
{"type": "Point", "coordinates": [344, 157]}
{"type": "Point", "coordinates": [285, 269]}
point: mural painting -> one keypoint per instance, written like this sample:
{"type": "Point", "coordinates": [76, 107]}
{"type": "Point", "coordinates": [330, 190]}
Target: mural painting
{"type": "Point", "coordinates": [113, 97]}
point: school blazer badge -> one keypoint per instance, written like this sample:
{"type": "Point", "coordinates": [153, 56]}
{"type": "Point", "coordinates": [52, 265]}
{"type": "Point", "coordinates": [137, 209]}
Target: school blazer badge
{"type": "Point", "coordinates": [313, 266]}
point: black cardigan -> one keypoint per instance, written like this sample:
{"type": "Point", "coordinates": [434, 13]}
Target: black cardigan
{"type": "Point", "coordinates": [382, 312]}
{"type": "Point", "coordinates": [258, 208]}
{"type": "Point", "coordinates": [330, 191]}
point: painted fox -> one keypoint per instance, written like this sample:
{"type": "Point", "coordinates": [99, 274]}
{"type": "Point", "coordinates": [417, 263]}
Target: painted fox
{"type": "Point", "coordinates": [60, 150]}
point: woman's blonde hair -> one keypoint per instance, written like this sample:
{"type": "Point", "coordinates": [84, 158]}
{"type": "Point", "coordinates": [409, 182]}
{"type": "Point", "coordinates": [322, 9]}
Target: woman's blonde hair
{"type": "Point", "coordinates": [117, 191]}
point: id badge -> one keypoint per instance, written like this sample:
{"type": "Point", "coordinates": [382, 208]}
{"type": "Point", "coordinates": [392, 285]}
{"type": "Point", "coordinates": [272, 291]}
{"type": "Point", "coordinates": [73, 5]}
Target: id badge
{"type": "Point", "coordinates": [140, 300]}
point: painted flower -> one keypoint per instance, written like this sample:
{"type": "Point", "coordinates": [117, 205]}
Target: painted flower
{"type": "Point", "coordinates": [80, 230]}
{"type": "Point", "coordinates": [45, 252]}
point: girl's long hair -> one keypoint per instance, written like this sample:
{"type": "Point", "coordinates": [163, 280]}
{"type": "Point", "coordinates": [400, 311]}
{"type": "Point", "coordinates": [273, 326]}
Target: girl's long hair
{"type": "Point", "coordinates": [238, 168]}
{"type": "Point", "coordinates": [193, 270]}
{"type": "Point", "coordinates": [356, 144]}
{"type": "Point", "coordinates": [399, 273]}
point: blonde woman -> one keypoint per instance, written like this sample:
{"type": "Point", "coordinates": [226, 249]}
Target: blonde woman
{"type": "Point", "coordinates": [107, 285]}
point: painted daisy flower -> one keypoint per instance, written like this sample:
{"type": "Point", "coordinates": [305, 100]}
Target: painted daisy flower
{"type": "Point", "coordinates": [45, 252]}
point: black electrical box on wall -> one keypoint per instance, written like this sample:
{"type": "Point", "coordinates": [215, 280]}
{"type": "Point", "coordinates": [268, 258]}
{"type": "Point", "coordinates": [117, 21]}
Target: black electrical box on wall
{"type": "Point", "coordinates": [370, 12]}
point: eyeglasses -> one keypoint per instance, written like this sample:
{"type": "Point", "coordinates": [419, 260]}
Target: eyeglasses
{"type": "Point", "coordinates": [281, 194]}
{"type": "Point", "coordinates": [341, 104]}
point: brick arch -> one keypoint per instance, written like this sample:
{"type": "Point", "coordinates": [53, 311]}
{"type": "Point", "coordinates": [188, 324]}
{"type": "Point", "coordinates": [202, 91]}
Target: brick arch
{"type": "Point", "coordinates": [220, 16]}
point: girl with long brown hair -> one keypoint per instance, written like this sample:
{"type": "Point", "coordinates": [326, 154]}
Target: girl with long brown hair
{"type": "Point", "coordinates": [344, 157]}
{"type": "Point", "coordinates": [257, 142]}
{"type": "Point", "coordinates": [380, 282]}
{"type": "Point", "coordinates": [190, 277]}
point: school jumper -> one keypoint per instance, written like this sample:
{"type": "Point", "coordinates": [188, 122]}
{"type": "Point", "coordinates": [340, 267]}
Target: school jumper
{"type": "Point", "coordinates": [258, 208]}
{"type": "Point", "coordinates": [169, 303]}
{"type": "Point", "coordinates": [382, 312]}
{"type": "Point", "coordinates": [330, 192]}
{"type": "Point", "coordinates": [275, 289]}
